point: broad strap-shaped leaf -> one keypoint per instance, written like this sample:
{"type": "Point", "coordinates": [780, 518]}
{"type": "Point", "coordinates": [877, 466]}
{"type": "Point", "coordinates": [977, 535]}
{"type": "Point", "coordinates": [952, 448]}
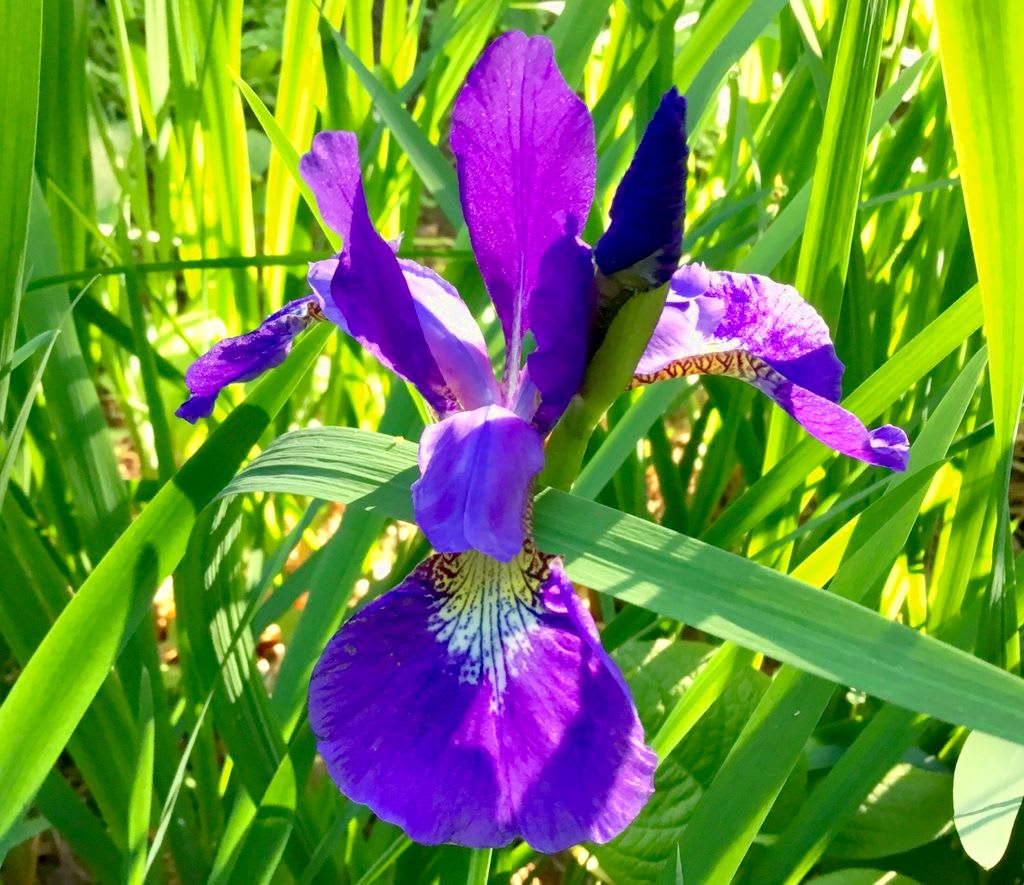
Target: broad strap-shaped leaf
{"type": "Point", "coordinates": [21, 28]}
{"type": "Point", "coordinates": [61, 679]}
{"type": "Point", "coordinates": [979, 43]}
{"type": "Point", "coordinates": [681, 578]}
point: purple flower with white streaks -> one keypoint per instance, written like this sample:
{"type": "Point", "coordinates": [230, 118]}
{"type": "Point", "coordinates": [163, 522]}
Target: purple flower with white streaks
{"type": "Point", "coordinates": [474, 703]}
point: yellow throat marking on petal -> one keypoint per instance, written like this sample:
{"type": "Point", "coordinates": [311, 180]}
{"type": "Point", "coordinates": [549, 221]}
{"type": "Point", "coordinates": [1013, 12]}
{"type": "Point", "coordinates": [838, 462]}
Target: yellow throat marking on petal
{"type": "Point", "coordinates": [487, 612]}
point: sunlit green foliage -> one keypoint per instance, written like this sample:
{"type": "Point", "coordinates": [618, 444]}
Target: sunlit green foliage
{"type": "Point", "coordinates": [150, 204]}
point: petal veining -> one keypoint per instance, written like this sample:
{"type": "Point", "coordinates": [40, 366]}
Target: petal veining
{"type": "Point", "coordinates": [474, 704]}
{"type": "Point", "coordinates": [524, 149]}
{"type": "Point", "coordinates": [755, 329]}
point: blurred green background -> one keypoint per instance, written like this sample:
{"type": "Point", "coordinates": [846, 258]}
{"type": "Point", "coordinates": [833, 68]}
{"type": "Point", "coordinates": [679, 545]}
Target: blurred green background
{"type": "Point", "coordinates": [867, 151]}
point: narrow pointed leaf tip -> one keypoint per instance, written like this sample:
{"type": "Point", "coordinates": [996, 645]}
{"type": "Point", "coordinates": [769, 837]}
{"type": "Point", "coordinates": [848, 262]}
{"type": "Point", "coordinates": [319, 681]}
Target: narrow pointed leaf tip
{"type": "Point", "coordinates": [474, 704]}
{"type": "Point", "coordinates": [247, 356]}
{"type": "Point", "coordinates": [762, 332]}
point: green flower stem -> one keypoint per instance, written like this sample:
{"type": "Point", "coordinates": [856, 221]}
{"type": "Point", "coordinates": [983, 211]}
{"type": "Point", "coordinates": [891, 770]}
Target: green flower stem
{"type": "Point", "coordinates": [608, 375]}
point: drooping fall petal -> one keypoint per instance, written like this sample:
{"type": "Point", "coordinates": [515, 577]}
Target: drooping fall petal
{"type": "Point", "coordinates": [474, 704]}
{"type": "Point", "coordinates": [752, 328]}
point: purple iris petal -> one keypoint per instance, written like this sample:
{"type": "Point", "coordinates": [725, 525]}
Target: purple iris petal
{"type": "Point", "coordinates": [453, 336]}
{"type": "Point", "coordinates": [196, 407]}
{"type": "Point", "coordinates": [887, 446]}
{"type": "Point", "coordinates": [369, 295]}
{"type": "Point", "coordinates": [524, 147]}
{"type": "Point", "coordinates": [776, 324]}
{"type": "Point", "coordinates": [474, 704]}
{"type": "Point", "coordinates": [750, 327]}
{"type": "Point", "coordinates": [560, 314]}
{"type": "Point", "coordinates": [645, 237]}
{"type": "Point", "coordinates": [686, 326]}
{"type": "Point", "coordinates": [476, 468]}
{"type": "Point", "coordinates": [331, 169]}
{"type": "Point", "coordinates": [245, 357]}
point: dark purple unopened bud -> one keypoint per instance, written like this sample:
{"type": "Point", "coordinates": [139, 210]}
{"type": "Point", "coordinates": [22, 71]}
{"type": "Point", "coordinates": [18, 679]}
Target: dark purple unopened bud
{"type": "Point", "coordinates": [644, 241]}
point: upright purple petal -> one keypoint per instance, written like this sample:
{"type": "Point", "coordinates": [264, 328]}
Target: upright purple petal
{"type": "Point", "coordinates": [560, 314]}
{"type": "Point", "coordinates": [245, 357]}
{"type": "Point", "coordinates": [476, 472]}
{"type": "Point", "coordinates": [524, 146]}
{"type": "Point", "coordinates": [453, 336]}
{"type": "Point", "coordinates": [644, 240]}
{"type": "Point", "coordinates": [752, 328]}
{"type": "Point", "coordinates": [474, 704]}
{"type": "Point", "coordinates": [331, 169]}
{"type": "Point", "coordinates": [369, 295]}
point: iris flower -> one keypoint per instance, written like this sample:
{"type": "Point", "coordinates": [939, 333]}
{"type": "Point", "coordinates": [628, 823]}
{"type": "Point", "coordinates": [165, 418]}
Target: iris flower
{"type": "Point", "coordinates": [474, 703]}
